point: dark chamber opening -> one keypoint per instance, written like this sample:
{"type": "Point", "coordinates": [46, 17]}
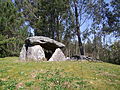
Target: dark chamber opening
{"type": "Point", "coordinates": [48, 54]}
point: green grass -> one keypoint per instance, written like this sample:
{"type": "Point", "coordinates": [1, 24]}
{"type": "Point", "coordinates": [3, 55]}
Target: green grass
{"type": "Point", "coordinates": [65, 75]}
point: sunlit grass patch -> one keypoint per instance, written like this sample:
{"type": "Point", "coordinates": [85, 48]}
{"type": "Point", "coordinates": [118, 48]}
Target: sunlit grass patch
{"type": "Point", "coordinates": [65, 75]}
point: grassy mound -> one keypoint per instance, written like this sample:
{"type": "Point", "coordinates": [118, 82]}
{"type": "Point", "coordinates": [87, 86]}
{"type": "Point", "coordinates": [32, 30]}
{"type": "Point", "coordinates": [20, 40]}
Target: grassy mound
{"type": "Point", "coordinates": [65, 75]}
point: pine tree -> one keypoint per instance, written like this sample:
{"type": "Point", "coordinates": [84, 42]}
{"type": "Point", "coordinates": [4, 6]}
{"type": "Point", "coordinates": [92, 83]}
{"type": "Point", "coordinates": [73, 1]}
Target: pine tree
{"type": "Point", "coordinates": [11, 22]}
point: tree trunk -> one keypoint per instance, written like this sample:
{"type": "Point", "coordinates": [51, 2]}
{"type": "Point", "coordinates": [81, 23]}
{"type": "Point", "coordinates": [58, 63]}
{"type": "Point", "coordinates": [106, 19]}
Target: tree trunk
{"type": "Point", "coordinates": [52, 26]}
{"type": "Point", "coordinates": [78, 30]}
{"type": "Point", "coordinates": [57, 30]}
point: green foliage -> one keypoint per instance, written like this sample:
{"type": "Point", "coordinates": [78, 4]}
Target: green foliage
{"type": "Point", "coordinates": [12, 30]}
{"type": "Point", "coordinates": [57, 19]}
{"type": "Point", "coordinates": [114, 54]}
{"type": "Point", "coordinates": [111, 53]}
{"type": "Point", "coordinates": [106, 53]}
{"type": "Point", "coordinates": [10, 84]}
{"type": "Point", "coordinates": [30, 83]}
{"type": "Point", "coordinates": [10, 19]}
{"type": "Point", "coordinates": [45, 17]}
{"type": "Point", "coordinates": [113, 17]}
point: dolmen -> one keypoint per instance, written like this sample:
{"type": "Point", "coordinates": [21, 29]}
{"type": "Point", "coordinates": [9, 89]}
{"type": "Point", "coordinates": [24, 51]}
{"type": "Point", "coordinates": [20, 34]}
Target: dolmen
{"type": "Point", "coordinates": [40, 48]}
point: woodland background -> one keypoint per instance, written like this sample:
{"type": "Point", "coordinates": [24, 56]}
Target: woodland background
{"type": "Point", "coordinates": [86, 27]}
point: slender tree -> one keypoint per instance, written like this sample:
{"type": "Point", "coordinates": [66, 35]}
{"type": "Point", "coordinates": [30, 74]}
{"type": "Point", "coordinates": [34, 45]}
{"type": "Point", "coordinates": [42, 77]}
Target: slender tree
{"type": "Point", "coordinates": [78, 29]}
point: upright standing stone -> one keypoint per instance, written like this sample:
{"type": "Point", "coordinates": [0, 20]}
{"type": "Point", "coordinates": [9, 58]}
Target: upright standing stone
{"type": "Point", "coordinates": [58, 55]}
{"type": "Point", "coordinates": [23, 53]}
{"type": "Point", "coordinates": [35, 53]}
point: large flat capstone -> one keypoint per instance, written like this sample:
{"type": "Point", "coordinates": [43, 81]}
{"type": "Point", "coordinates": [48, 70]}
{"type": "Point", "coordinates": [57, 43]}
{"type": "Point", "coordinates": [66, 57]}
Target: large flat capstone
{"type": "Point", "coordinates": [45, 42]}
